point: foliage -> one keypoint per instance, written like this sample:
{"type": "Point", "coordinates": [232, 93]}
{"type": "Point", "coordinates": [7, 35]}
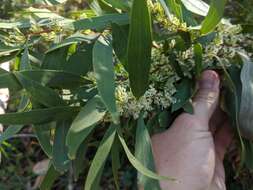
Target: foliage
{"type": "Point", "coordinates": [116, 68]}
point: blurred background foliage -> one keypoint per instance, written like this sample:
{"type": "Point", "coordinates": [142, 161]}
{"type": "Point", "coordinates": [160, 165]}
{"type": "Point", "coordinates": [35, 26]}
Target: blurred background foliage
{"type": "Point", "coordinates": [20, 156]}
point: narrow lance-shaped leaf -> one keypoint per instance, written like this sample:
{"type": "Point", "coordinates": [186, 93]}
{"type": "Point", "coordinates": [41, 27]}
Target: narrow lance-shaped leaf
{"type": "Point", "coordinates": [8, 80]}
{"type": "Point", "coordinates": [119, 4]}
{"type": "Point", "coordinates": [246, 107]}
{"type": "Point", "coordinates": [98, 23]}
{"type": "Point", "coordinates": [115, 154]}
{"type": "Point", "coordinates": [196, 6]}
{"type": "Point", "coordinates": [10, 132]}
{"type": "Point", "coordinates": [79, 163]}
{"type": "Point", "coordinates": [50, 78]}
{"type": "Point", "coordinates": [183, 94]}
{"type": "Point", "coordinates": [137, 164]}
{"type": "Point", "coordinates": [198, 59]}
{"type": "Point", "coordinates": [143, 152]}
{"type": "Point", "coordinates": [83, 124]}
{"type": "Point", "coordinates": [49, 178]}
{"type": "Point", "coordinates": [42, 94]}
{"type": "Point", "coordinates": [55, 78]}
{"type": "Point", "coordinates": [214, 16]}
{"type": "Point", "coordinates": [100, 157]}
{"type": "Point", "coordinates": [249, 154]}
{"type": "Point", "coordinates": [60, 152]}
{"type": "Point", "coordinates": [176, 8]}
{"type": "Point", "coordinates": [119, 41]}
{"type": "Point", "coordinates": [25, 61]}
{"type": "Point", "coordinates": [234, 94]}
{"type": "Point", "coordinates": [100, 7]}
{"type": "Point", "coordinates": [39, 116]}
{"type": "Point", "coordinates": [139, 47]}
{"type": "Point", "coordinates": [104, 72]}
{"type": "Point", "coordinates": [43, 133]}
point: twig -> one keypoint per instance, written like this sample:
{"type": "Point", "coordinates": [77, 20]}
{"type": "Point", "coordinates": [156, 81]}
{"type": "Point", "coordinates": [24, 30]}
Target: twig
{"type": "Point", "coordinates": [24, 136]}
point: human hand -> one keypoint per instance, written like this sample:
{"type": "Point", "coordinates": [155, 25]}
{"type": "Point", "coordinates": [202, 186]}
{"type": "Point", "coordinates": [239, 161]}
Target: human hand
{"type": "Point", "coordinates": [193, 148]}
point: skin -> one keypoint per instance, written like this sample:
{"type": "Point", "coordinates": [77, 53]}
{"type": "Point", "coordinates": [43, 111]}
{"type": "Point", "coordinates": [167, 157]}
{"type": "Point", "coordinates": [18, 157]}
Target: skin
{"type": "Point", "coordinates": [193, 148]}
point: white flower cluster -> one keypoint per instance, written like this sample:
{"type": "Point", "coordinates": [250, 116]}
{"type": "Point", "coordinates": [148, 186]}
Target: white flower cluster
{"type": "Point", "coordinates": [159, 94]}
{"type": "Point", "coordinates": [129, 106]}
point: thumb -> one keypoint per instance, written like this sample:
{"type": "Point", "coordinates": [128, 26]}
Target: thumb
{"type": "Point", "coordinates": [206, 99]}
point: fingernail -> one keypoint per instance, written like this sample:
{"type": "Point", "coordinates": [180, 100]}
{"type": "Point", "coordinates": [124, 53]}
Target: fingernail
{"type": "Point", "coordinates": [209, 80]}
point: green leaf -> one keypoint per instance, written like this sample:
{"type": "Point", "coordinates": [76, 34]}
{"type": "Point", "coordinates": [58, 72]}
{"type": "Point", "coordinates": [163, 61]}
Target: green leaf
{"type": "Point", "coordinates": [137, 164]}
{"type": "Point", "coordinates": [101, 156]}
{"type": "Point", "coordinates": [119, 41]}
{"type": "Point", "coordinates": [9, 57]}
{"type": "Point", "coordinates": [6, 50]}
{"type": "Point", "coordinates": [25, 61]}
{"type": "Point", "coordinates": [75, 38]}
{"type": "Point", "coordinates": [214, 16]}
{"type": "Point", "coordinates": [232, 101]}
{"type": "Point", "coordinates": [25, 23]}
{"type": "Point", "coordinates": [175, 64]}
{"type": "Point", "coordinates": [183, 94]}
{"type": "Point", "coordinates": [79, 163]}
{"type": "Point", "coordinates": [3, 71]}
{"type": "Point", "coordinates": [198, 58]}
{"type": "Point", "coordinates": [166, 9]}
{"type": "Point", "coordinates": [41, 94]}
{"type": "Point", "coordinates": [143, 152]}
{"type": "Point", "coordinates": [43, 133]}
{"type": "Point", "coordinates": [249, 154]}
{"type": "Point", "coordinates": [49, 178]}
{"type": "Point", "coordinates": [206, 39]}
{"type": "Point", "coordinates": [246, 107]}
{"type": "Point", "coordinates": [115, 154]}
{"type": "Point", "coordinates": [55, 2]}
{"type": "Point", "coordinates": [10, 132]}
{"type": "Point", "coordinates": [55, 60]}
{"type": "Point", "coordinates": [8, 80]}
{"type": "Point", "coordinates": [100, 7]}
{"type": "Point", "coordinates": [51, 78]}
{"type": "Point", "coordinates": [98, 23]}
{"type": "Point", "coordinates": [196, 6]}
{"type": "Point", "coordinates": [175, 7]}
{"type": "Point", "coordinates": [83, 124]}
{"type": "Point", "coordinates": [139, 47]}
{"type": "Point", "coordinates": [60, 152]}
{"type": "Point", "coordinates": [104, 72]}
{"type": "Point", "coordinates": [119, 4]}
{"type": "Point", "coordinates": [80, 62]}
{"type": "Point", "coordinates": [55, 79]}
{"type": "Point", "coordinates": [39, 116]}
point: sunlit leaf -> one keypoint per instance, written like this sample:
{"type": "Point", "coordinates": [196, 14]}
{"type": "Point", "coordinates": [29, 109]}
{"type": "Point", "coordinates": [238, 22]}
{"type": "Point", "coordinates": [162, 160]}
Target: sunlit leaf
{"type": "Point", "coordinates": [143, 152]}
{"type": "Point", "coordinates": [83, 124]}
{"type": "Point", "coordinates": [104, 72]}
{"type": "Point", "coordinates": [196, 6]}
{"type": "Point", "coordinates": [214, 16]}
{"type": "Point", "coordinates": [137, 164]}
{"type": "Point", "coordinates": [100, 157]}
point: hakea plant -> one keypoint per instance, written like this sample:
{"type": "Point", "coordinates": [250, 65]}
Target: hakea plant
{"type": "Point", "coordinates": [123, 68]}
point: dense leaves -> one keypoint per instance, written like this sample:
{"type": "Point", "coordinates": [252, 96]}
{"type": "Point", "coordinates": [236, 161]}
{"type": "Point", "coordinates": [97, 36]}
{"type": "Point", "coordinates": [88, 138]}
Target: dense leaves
{"type": "Point", "coordinates": [86, 80]}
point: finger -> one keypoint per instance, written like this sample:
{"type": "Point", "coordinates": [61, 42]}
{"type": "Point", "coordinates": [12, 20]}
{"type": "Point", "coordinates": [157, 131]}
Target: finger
{"type": "Point", "coordinates": [206, 99]}
{"type": "Point", "coordinates": [223, 139]}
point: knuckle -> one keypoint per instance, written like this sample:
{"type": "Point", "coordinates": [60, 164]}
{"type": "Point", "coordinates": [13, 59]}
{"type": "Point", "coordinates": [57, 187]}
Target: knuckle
{"type": "Point", "coordinates": [206, 96]}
